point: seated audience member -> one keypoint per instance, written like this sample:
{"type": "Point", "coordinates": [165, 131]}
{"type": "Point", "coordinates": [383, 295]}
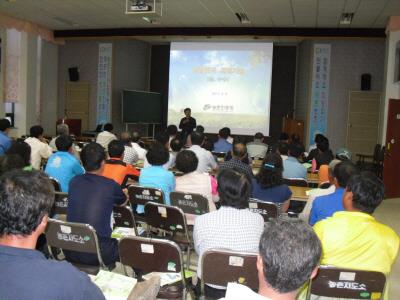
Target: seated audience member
{"type": "Point", "coordinates": [206, 159]}
{"type": "Point", "coordinates": [239, 153]}
{"type": "Point", "coordinates": [11, 162]}
{"type": "Point", "coordinates": [24, 150]}
{"type": "Point", "coordinates": [172, 132]}
{"type": "Point", "coordinates": [284, 137]}
{"type": "Point", "coordinates": [5, 141]}
{"type": "Point", "coordinates": [353, 238]}
{"type": "Point", "coordinates": [63, 165]}
{"type": "Point", "coordinates": [106, 136]}
{"type": "Point", "coordinates": [176, 146]}
{"type": "Point", "coordinates": [61, 129]}
{"type": "Point", "coordinates": [193, 181]}
{"type": "Point", "coordinates": [230, 138]}
{"type": "Point", "coordinates": [163, 139]}
{"type": "Point", "coordinates": [295, 139]}
{"type": "Point", "coordinates": [292, 168]}
{"type": "Point", "coordinates": [91, 199]}
{"type": "Point", "coordinates": [115, 168]}
{"type": "Point", "coordinates": [39, 147]}
{"type": "Point", "coordinates": [222, 145]}
{"type": "Point", "coordinates": [155, 175]}
{"type": "Point", "coordinates": [313, 151]}
{"type": "Point", "coordinates": [257, 149]}
{"type": "Point", "coordinates": [233, 226]}
{"type": "Point", "coordinates": [27, 274]}
{"type": "Point", "coordinates": [283, 150]}
{"type": "Point", "coordinates": [199, 128]}
{"type": "Point", "coordinates": [325, 206]}
{"type": "Point", "coordinates": [268, 185]}
{"type": "Point", "coordinates": [136, 145]}
{"type": "Point", "coordinates": [280, 273]}
{"type": "Point", "coordinates": [130, 154]}
{"type": "Point", "coordinates": [314, 193]}
{"type": "Point", "coordinates": [324, 156]}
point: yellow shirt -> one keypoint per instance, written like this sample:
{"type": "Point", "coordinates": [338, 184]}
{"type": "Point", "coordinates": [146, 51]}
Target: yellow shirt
{"type": "Point", "coordinates": [355, 240]}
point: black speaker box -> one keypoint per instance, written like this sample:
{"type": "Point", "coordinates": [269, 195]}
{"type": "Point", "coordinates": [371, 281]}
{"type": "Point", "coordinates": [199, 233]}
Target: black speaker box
{"type": "Point", "coordinates": [365, 82]}
{"type": "Point", "coordinates": [73, 74]}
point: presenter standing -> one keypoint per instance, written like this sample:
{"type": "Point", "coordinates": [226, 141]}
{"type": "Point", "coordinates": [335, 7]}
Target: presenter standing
{"type": "Point", "coordinates": [187, 123]}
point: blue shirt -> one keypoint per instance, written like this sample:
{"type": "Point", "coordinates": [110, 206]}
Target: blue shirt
{"type": "Point", "coordinates": [157, 177]}
{"type": "Point", "coordinates": [293, 169]}
{"type": "Point", "coordinates": [27, 274]}
{"type": "Point", "coordinates": [325, 206]}
{"type": "Point", "coordinates": [5, 142]}
{"type": "Point", "coordinates": [277, 194]}
{"type": "Point", "coordinates": [91, 199]}
{"type": "Point", "coordinates": [63, 166]}
{"type": "Point", "coordinates": [222, 145]}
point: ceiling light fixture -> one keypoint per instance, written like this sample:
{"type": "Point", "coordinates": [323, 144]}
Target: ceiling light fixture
{"type": "Point", "coordinates": [243, 18]}
{"type": "Point", "coordinates": [346, 18]}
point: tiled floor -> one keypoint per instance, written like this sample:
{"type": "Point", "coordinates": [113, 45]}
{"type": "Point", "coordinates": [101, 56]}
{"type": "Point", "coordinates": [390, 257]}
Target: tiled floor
{"type": "Point", "coordinates": [389, 213]}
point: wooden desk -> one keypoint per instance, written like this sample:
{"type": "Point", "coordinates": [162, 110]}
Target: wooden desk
{"type": "Point", "coordinates": [299, 193]}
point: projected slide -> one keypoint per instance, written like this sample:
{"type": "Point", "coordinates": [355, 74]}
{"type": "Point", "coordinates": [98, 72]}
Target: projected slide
{"type": "Point", "coordinates": [225, 84]}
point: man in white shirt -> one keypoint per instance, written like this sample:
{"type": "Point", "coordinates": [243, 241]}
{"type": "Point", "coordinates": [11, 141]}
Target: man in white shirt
{"type": "Point", "coordinates": [257, 148]}
{"type": "Point", "coordinates": [281, 273]}
{"type": "Point", "coordinates": [206, 159]}
{"type": "Point", "coordinates": [105, 137]}
{"type": "Point", "coordinates": [135, 145]}
{"type": "Point", "coordinates": [39, 147]}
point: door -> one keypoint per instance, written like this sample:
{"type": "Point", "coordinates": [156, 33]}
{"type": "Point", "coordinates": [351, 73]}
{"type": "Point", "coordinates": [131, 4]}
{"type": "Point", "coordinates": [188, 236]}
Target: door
{"type": "Point", "coordinates": [77, 102]}
{"type": "Point", "coordinates": [392, 158]}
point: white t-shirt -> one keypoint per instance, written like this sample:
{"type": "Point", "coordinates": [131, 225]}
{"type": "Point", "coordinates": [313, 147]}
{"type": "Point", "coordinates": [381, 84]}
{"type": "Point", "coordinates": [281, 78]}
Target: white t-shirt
{"type": "Point", "coordinates": [236, 291]}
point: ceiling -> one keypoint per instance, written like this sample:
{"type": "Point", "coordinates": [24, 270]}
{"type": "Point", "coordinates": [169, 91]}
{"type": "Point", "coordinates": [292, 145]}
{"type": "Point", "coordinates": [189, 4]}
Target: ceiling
{"type": "Point", "coordinates": [92, 14]}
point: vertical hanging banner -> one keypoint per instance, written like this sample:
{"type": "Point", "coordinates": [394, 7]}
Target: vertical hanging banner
{"type": "Point", "coordinates": [320, 90]}
{"type": "Point", "coordinates": [104, 79]}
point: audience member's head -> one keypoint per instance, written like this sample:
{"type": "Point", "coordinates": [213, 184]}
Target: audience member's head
{"type": "Point", "coordinates": [296, 150]}
{"type": "Point", "coordinates": [176, 144]}
{"type": "Point", "coordinates": [157, 155]}
{"type": "Point", "coordinates": [331, 168]}
{"type": "Point", "coordinates": [364, 192]}
{"type": "Point", "coordinates": [318, 138]}
{"type": "Point", "coordinates": [224, 133]}
{"type": "Point", "coordinates": [197, 138]}
{"type": "Point", "coordinates": [234, 189]}
{"type": "Point", "coordinates": [11, 162]}
{"type": "Point", "coordinates": [36, 131]}
{"type": "Point", "coordinates": [108, 127]}
{"type": "Point", "coordinates": [116, 149]}
{"type": "Point", "coordinates": [208, 145]}
{"type": "Point", "coordinates": [295, 138]}
{"type": "Point", "coordinates": [62, 129]}
{"type": "Point", "coordinates": [93, 157]}
{"type": "Point", "coordinates": [5, 125]}
{"type": "Point", "coordinates": [126, 138]}
{"type": "Point", "coordinates": [283, 148]}
{"type": "Point", "coordinates": [343, 172]}
{"type": "Point", "coordinates": [323, 145]}
{"type": "Point", "coordinates": [22, 149]}
{"type": "Point", "coordinates": [172, 130]}
{"type": "Point", "coordinates": [284, 137]}
{"type": "Point", "coordinates": [258, 137]}
{"type": "Point", "coordinates": [136, 137]}
{"type": "Point", "coordinates": [64, 143]}
{"type": "Point", "coordinates": [239, 151]}
{"type": "Point", "coordinates": [270, 173]}
{"type": "Point", "coordinates": [289, 255]}
{"type": "Point", "coordinates": [187, 112]}
{"type": "Point", "coordinates": [186, 161]}
{"type": "Point", "coordinates": [163, 138]}
{"type": "Point", "coordinates": [26, 199]}
{"type": "Point", "coordinates": [199, 128]}
{"type": "Point", "coordinates": [343, 154]}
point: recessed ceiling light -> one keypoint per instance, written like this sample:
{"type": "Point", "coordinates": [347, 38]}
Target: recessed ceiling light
{"type": "Point", "coordinates": [243, 18]}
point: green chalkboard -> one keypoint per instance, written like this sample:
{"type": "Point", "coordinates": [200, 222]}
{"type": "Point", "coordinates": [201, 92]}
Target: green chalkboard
{"type": "Point", "coordinates": [141, 107]}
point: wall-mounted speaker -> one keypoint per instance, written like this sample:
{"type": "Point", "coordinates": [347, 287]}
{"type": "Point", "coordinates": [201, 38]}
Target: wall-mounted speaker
{"type": "Point", "coordinates": [73, 74]}
{"type": "Point", "coordinates": [365, 82]}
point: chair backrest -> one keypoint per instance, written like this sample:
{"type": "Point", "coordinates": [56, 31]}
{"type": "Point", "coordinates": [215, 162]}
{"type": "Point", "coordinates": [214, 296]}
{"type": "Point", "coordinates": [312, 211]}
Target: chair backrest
{"type": "Point", "coordinates": [190, 203]}
{"type": "Point", "coordinates": [168, 218]}
{"type": "Point", "coordinates": [348, 284]}
{"type": "Point", "coordinates": [60, 205]}
{"type": "Point", "coordinates": [268, 210]}
{"type": "Point", "coordinates": [72, 236]}
{"type": "Point", "coordinates": [377, 150]}
{"type": "Point", "coordinates": [220, 267]}
{"type": "Point", "coordinates": [139, 195]}
{"type": "Point", "coordinates": [295, 182]}
{"type": "Point", "coordinates": [123, 217]}
{"type": "Point", "coordinates": [150, 254]}
{"type": "Point", "coordinates": [324, 185]}
{"type": "Point", "coordinates": [56, 184]}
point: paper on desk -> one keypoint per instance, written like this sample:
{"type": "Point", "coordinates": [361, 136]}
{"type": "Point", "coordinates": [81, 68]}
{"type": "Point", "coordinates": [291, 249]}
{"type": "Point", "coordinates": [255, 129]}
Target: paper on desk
{"type": "Point", "coordinates": [168, 278]}
{"type": "Point", "coordinates": [120, 232]}
{"type": "Point", "coordinates": [307, 165]}
{"type": "Point", "coordinates": [114, 286]}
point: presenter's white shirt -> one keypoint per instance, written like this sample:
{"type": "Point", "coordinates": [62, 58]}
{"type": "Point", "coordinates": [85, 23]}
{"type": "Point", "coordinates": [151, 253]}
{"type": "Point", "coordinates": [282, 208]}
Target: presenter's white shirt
{"type": "Point", "coordinates": [39, 150]}
{"type": "Point", "coordinates": [236, 291]}
{"type": "Point", "coordinates": [206, 159]}
{"type": "Point", "coordinates": [104, 138]}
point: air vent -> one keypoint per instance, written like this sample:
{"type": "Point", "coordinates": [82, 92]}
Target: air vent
{"type": "Point", "coordinates": [346, 18]}
{"type": "Point", "coordinates": [243, 18]}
